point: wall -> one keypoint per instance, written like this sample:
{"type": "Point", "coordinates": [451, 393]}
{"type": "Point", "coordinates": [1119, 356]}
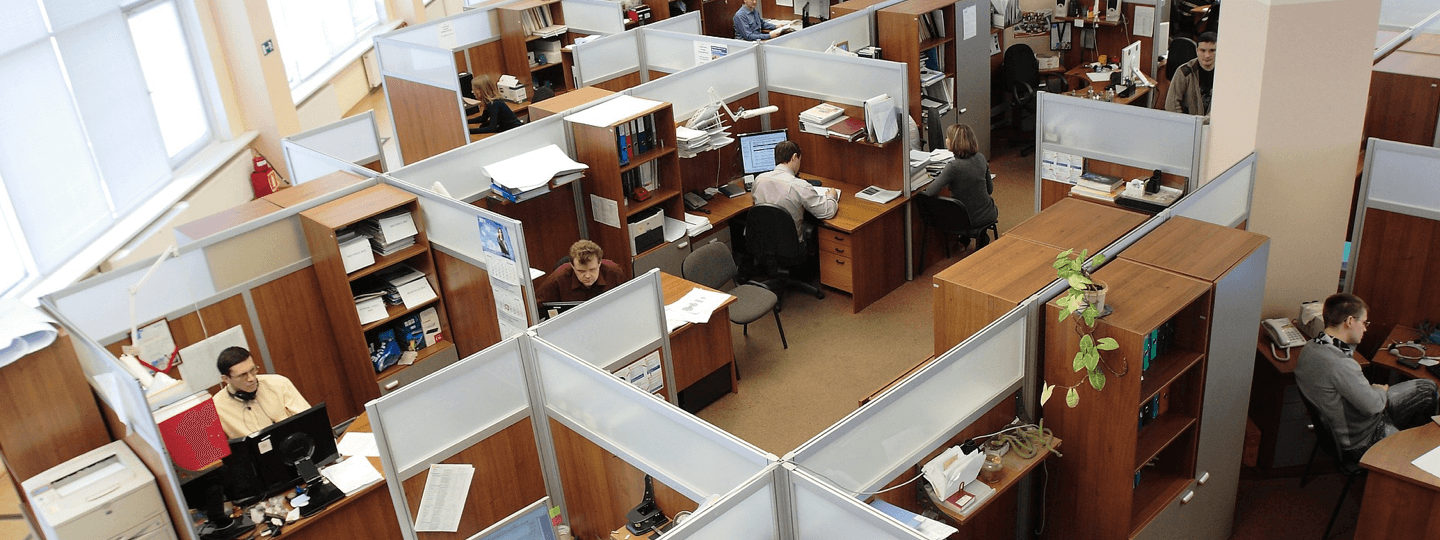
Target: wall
{"type": "Point", "coordinates": [1306, 130]}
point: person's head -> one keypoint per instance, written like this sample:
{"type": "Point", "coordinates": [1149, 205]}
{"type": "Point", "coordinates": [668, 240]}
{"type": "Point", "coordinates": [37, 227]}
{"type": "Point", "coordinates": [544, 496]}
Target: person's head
{"type": "Point", "coordinates": [960, 139]}
{"type": "Point", "coordinates": [238, 369]}
{"type": "Point", "coordinates": [1205, 50]}
{"type": "Point", "coordinates": [485, 89]}
{"type": "Point", "coordinates": [1346, 317]}
{"type": "Point", "coordinates": [585, 259]}
{"type": "Point", "coordinates": [788, 153]}
{"type": "Point", "coordinates": [750, 3]}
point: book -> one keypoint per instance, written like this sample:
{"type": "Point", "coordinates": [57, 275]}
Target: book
{"type": "Point", "coordinates": [384, 350]}
{"type": "Point", "coordinates": [821, 113]}
{"type": "Point", "coordinates": [823, 128]}
{"type": "Point", "coordinates": [192, 432]}
{"type": "Point", "coordinates": [1100, 182]}
{"type": "Point", "coordinates": [976, 490]}
{"type": "Point", "coordinates": [851, 129]}
{"type": "Point", "coordinates": [1083, 191]}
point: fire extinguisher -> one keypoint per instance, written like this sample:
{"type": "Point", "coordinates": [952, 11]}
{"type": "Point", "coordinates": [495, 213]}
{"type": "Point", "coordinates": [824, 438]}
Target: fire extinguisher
{"type": "Point", "coordinates": [264, 180]}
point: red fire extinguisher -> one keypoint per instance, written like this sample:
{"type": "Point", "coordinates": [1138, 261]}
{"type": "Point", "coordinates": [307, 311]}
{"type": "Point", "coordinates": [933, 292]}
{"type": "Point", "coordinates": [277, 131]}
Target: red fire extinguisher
{"type": "Point", "coordinates": [264, 180]}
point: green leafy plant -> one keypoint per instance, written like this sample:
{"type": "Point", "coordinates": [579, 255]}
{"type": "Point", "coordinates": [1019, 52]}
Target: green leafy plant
{"type": "Point", "coordinates": [1081, 300]}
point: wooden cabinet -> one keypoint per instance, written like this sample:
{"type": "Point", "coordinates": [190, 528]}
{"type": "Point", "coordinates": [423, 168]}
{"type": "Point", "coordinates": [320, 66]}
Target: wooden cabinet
{"type": "Point", "coordinates": [986, 285]}
{"type": "Point", "coordinates": [601, 147]}
{"type": "Point", "coordinates": [338, 289]}
{"type": "Point", "coordinates": [1404, 98]}
{"type": "Point", "coordinates": [918, 27]}
{"type": "Point", "coordinates": [516, 21]}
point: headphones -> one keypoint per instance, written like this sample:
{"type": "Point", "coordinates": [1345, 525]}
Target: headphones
{"type": "Point", "coordinates": [1419, 348]}
{"type": "Point", "coordinates": [243, 396]}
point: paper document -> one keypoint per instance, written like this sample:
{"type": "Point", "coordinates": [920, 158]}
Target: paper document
{"type": "Point", "coordinates": [881, 118]}
{"type": "Point", "coordinates": [198, 366]}
{"type": "Point", "coordinates": [371, 309]}
{"type": "Point", "coordinates": [352, 474]}
{"type": "Point", "coordinates": [23, 330]}
{"type": "Point", "coordinates": [612, 111]}
{"type": "Point", "coordinates": [359, 444]}
{"type": "Point", "coordinates": [877, 195]}
{"type": "Point", "coordinates": [397, 227]}
{"type": "Point", "coordinates": [445, 491]}
{"type": "Point", "coordinates": [1099, 76]}
{"type": "Point", "coordinates": [1144, 21]}
{"type": "Point", "coordinates": [532, 169]}
{"type": "Point", "coordinates": [536, 273]}
{"type": "Point", "coordinates": [697, 305]}
{"type": "Point", "coordinates": [356, 254]}
{"type": "Point", "coordinates": [825, 191]}
{"type": "Point", "coordinates": [416, 292]}
{"type": "Point", "coordinates": [605, 211]}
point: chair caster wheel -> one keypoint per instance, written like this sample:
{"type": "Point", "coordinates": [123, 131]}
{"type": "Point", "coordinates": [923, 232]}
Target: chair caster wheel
{"type": "Point", "coordinates": [820, 295]}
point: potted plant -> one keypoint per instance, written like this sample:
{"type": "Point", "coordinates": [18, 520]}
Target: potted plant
{"type": "Point", "coordinates": [1086, 299]}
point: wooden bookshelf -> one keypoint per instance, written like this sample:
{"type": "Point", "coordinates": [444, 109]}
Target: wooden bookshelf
{"type": "Point", "coordinates": [900, 28]}
{"type": "Point", "coordinates": [518, 43]}
{"type": "Point", "coordinates": [598, 148]}
{"type": "Point", "coordinates": [337, 287]}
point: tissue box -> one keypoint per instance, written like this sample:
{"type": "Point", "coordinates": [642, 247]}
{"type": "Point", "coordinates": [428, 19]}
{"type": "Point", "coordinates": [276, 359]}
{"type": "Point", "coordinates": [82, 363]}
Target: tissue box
{"type": "Point", "coordinates": [1048, 61]}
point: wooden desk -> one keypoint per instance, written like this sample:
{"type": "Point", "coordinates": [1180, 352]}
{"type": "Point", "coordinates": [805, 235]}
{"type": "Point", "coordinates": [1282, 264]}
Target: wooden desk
{"type": "Point", "coordinates": [367, 513]}
{"type": "Point", "coordinates": [1077, 76]}
{"type": "Point", "coordinates": [704, 357]}
{"type": "Point", "coordinates": [329, 183]}
{"type": "Point", "coordinates": [1401, 501]}
{"type": "Point", "coordinates": [1403, 333]}
{"type": "Point", "coordinates": [1075, 224]}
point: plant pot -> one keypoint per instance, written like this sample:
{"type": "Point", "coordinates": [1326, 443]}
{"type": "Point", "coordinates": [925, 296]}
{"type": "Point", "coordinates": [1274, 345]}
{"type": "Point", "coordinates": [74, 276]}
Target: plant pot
{"type": "Point", "coordinates": [1096, 296]}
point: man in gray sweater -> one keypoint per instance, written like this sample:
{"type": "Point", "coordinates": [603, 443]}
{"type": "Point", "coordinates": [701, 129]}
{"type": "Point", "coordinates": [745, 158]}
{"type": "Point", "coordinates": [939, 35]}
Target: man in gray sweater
{"type": "Point", "coordinates": [1359, 413]}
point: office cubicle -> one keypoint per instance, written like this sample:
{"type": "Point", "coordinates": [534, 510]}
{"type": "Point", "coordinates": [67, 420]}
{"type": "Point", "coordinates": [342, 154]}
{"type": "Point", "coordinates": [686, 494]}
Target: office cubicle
{"type": "Point", "coordinates": [611, 62]}
{"type": "Point", "coordinates": [590, 331]}
{"type": "Point", "coordinates": [1115, 139]}
{"type": "Point", "coordinates": [687, 23]}
{"type": "Point", "coordinates": [1396, 213]}
{"type": "Point", "coordinates": [350, 144]}
{"type": "Point", "coordinates": [666, 51]}
{"type": "Point", "coordinates": [1225, 200]}
{"type": "Point", "coordinates": [856, 30]}
{"type": "Point", "coordinates": [619, 61]}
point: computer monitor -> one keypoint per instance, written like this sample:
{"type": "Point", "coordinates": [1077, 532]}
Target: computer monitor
{"type": "Point", "coordinates": [757, 150]}
{"type": "Point", "coordinates": [272, 455]}
{"type": "Point", "coordinates": [530, 523]}
{"type": "Point", "coordinates": [1130, 63]}
{"type": "Point", "coordinates": [550, 309]}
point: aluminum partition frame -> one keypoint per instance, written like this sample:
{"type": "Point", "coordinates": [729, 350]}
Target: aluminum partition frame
{"type": "Point", "coordinates": [459, 169]}
{"type": "Point", "coordinates": [612, 56]}
{"type": "Point", "coordinates": [1388, 165]}
{"type": "Point", "coordinates": [617, 431]}
{"type": "Point", "coordinates": [594, 16]}
{"type": "Point", "coordinates": [337, 142]}
{"type": "Point", "coordinates": [680, 54]}
{"type": "Point", "coordinates": [805, 491]}
{"type": "Point", "coordinates": [838, 449]}
{"type": "Point", "coordinates": [730, 79]}
{"type": "Point", "coordinates": [389, 412]}
{"type": "Point", "coordinates": [716, 519]}
{"type": "Point", "coordinates": [857, 27]}
{"type": "Point", "coordinates": [1229, 195]}
{"type": "Point", "coordinates": [688, 23]}
{"type": "Point", "coordinates": [1088, 128]}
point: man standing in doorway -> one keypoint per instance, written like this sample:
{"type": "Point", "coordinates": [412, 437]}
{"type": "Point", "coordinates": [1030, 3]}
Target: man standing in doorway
{"type": "Point", "coordinates": [1190, 91]}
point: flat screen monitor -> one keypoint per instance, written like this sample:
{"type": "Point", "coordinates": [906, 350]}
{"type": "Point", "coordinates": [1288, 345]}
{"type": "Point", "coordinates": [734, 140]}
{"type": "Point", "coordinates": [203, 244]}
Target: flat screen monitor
{"type": "Point", "coordinates": [268, 456]}
{"type": "Point", "coordinates": [530, 523]}
{"type": "Point", "coordinates": [757, 150]}
{"type": "Point", "coordinates": [1130, 62]}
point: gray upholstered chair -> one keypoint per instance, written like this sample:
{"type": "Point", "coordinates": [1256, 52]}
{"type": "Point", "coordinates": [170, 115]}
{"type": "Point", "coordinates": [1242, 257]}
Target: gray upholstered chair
{"type": "Point", "coordinates": [713, 266]}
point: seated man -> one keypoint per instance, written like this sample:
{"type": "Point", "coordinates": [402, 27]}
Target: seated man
{"type": "Point", "coordinates": [783, 187]}
{"type": "Point", "coordinates": [248, 401]}
{"type": "Point", "coordinates": [750, 27]}
{"type": "Point", "coordinates": [587, 275]}
{"type": "Point", "coordinates": [1190, 92]}
{"type": "Point", "coordinates": [1359, 413]}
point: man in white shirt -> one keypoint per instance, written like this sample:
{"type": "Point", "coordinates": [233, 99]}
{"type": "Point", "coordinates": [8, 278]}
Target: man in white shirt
{"type": "Point", "coordinates": [249, 401]}
{"type": "Point", "coordinates": [783, 187]}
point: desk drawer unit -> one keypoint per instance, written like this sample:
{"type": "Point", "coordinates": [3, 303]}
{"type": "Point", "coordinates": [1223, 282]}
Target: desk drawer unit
{"type": "Point", "coordinates": [836, 242]}
{"type": "Point", "coordinates": [836, 271]}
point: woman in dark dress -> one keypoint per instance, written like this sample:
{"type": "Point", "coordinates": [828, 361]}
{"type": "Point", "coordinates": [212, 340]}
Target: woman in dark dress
{"type": "Point", "coordinates": [967, 177]}
{"type": "Point", "coordinates": [497, 117]}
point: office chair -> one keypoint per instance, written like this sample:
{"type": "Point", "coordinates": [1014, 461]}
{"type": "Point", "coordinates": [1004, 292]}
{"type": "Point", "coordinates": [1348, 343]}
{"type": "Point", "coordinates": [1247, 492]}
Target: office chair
{"type": "Point", "coordinates": [1348, 463]}
{"type": "Point", "coordinates": [770, 239]}
{"type": "Point", "coordinates": [1021, 73]}
{"type": "Point", "coordinates": [712, 266]}
{"type": "Point", "coordinates": [1182, 50]}
{"type": "Point", "coordinates": [951, 217]}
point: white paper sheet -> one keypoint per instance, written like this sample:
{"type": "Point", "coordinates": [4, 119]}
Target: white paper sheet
{"type": "Point", "coordinates": [371, 310]}
{"type": "Point", "coordinates": [446, 488]}
{"type": "Point", "coordinates": [532, 169]}
{"type": "Point", "coordinates": [1429, 462]}
{"type": "Point", "coordinates": [605, 211]}
{"type": "Point", "coordinates": [358, 444]}
{"type": "Point", "coordinates": [356, 254]}
{"type": "Point", "coordinates": [397, 227]}
{"type": "Point", "coordinates": [697, 305]}
{"type": "Point", "coordinates": [155, 343]}
{"type": "Point", "coordinates": [198, 367]}
{"type": "Point", "coordinates": [612, 111]}
{"type": "Point", "coordinates": [969, 16]}
{"type": "Point", "coordinates": [352, 474]}
{"type": "Point", "coordinates": [416, 292]}
{"type": "Point", "coordinates": [1144, 21]}
{"type": "Point", "coordinates": [23, 330]}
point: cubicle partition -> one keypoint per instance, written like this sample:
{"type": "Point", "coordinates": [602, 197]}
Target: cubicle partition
{"type": "Point", "coordinates": [1114, 139]}
{"type": "Point", "coordinates": [751, 511]}
{"type": "Point", "coordinates": [1397, 212]}
{"type": "Point", "coordinates": [855, 30]}
{"type": "Point", "coordinates": [821, 512]}
{"type": "Point", "coordinates": [594, 16]}
{"type": "Point", "coordinates": [1225, 200]}
{"type": "Point", "coordinates": [665, 52]}
{"type": "Point", "coordinates": [611, 62]}
{"type": "Point", "coordinates": [349, 144]}
{"type": "Point", "coordinates": [420, 64]}
{"type": "Point", "coordinates": [688, 23]}
{"type": "Point", "coordinates": [595, 333]}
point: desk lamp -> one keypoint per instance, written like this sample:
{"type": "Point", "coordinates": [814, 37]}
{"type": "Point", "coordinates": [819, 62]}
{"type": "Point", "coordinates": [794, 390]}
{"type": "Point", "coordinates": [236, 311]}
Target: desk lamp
{"type": "Point", "coordinates": [153, 380]}
{"type": "Point", "coordinates": [743, 114]}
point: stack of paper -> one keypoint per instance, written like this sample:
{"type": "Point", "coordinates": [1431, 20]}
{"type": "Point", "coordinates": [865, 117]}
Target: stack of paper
{"type": "Point", "coordinates": [697, 225]}
{"type": "Point", "coordinates": [355, 250]}
{"type": "Point", "coordinates": [531, 174]}
{"type": "Point", "coordinates": [389, 233]}
{"type": "Point", "coordinates": [822, 129]}
{"type": "Point", "coordinates": [1097, 186]}
{"type": "Point", "coordinates": [821, 113]}
{"type": "Point", "coordinates": [691, 141]}
{"type": "Point", "coordinates": [849, 129]}
{"type": "Point", "coordinates": [881, 119]}
{"type": "Point", "coordinates": [927, 165]}
{"type": "Point", "coordinates": [929, 76]}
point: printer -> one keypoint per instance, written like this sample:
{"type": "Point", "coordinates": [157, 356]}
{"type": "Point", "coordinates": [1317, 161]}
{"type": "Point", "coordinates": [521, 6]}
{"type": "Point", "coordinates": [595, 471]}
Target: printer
{"type": "Point", "coordinates": [106, 493]}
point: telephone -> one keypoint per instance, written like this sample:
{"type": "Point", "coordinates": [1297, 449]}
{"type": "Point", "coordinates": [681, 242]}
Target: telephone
{"type": "Point", "coordinates": [694, 201]}
{"type": "Point", "coordinates": [1284, 334]}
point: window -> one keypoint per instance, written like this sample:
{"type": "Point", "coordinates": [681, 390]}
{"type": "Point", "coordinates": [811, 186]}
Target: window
{"type": "Point", "coordinates": [111, 103]}
{"type": "Point", "coordinates": [313, 32]}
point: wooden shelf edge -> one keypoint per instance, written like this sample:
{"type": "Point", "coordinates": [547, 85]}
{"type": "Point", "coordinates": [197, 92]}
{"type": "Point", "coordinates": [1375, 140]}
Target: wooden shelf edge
{"type": "Point", "coordinates": [646, 157]}
{"type": "Point", "coordinates": [1173, 364]}
{"type": "Point", "coordinates": [386, 261]}
{"type": "Point", "coordinates": [395, 312]}
{"type": "Point", "coordinates": [1158, 436]}
{"type": "Point", "coordinates": [538, 67]}
{"type": "Point", "coordinates": [420, 356]}
{"type": "Point", "coordinates": [656, 197]}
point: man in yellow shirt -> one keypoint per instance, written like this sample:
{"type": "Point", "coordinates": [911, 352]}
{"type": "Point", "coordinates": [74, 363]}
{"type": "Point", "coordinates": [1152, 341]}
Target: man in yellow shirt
{"type": "Point", "coordinates": [248, 401]}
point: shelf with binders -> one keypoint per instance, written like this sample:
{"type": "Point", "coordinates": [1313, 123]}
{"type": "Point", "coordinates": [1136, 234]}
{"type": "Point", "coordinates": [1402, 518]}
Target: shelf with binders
{"type": "Point", "coordinates": [639, 149]}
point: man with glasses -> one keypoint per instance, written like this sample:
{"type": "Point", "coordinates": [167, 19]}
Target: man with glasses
{"type": "Point", "coordinates": [1359, 413]}
{"type": "Point", "coordinates": [248, 401]}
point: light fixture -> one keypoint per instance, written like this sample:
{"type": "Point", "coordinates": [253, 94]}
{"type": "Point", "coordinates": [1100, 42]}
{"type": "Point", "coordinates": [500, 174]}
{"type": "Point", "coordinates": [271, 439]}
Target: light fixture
{"type": "Point", "coordinates": [743, 114]}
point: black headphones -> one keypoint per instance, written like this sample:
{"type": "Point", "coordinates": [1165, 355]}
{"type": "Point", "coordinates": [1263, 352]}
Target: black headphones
{"type": "Point", "coordinates": [242, 396]}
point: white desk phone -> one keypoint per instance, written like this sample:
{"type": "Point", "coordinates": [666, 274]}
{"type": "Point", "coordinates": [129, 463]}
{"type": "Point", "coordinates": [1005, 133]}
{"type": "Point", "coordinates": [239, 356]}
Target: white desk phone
{"type": "Point", "coordinates": [1284, 334]}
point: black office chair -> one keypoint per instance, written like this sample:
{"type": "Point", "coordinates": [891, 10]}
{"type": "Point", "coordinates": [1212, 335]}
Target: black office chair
{"type": "Point", "coordinates": [770, 238]}
{"type": "Point", "coordinates": [713, 266]}
{"type": "Point", "coordinates": [1182, 50]}
{"type": "Point", "coordinates": [951, 217]}
{"type": "Point", "coordinates": [1021, 72]}
{"type": "Point", "coordinates": [1348, 463]}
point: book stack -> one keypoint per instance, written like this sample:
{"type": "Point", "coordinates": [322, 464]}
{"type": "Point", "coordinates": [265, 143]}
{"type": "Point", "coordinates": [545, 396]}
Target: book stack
{"type": "Point", "coordinates": [927, 166]}
{"type": "Point", "coordinates": [820, 118]}
{"type": "Point", "coordinates": [538, 22]}
{"type": "Point", "coordinates": [1097, 186]}
{"type": "Point", "coordinates": [635, 137]}
{"type": "Point", "coordinates": [849, 129]}
{"type": "Point", "coordinates": [390, 232]}
{"type": "Point", "coordinates": [932, 25]}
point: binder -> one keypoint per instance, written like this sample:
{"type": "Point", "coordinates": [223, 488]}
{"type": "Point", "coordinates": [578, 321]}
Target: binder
{"type": "Point", "coordinates": [192, 432]}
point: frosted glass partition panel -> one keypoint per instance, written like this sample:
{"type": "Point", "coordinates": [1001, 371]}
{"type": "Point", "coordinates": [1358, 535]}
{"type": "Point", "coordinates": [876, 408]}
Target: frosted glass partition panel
{"type": "Point", "coordinates": [833, 77]}
{"type": "Point", "coordinates": [607, 57]}
{"type": "Point", "coordinates": [1401, 178]}
{"type": "Point", "coordinates": [1225, 201]}
{"type": "Point", "coordinates": [355, 139]}
{"type": "Point", "coordinates": [735, 76]}
{"type": "Point", "coordinates": [1405, 13]}
{"type": "Point", "coordinates": [747, 512]}
{"type": "Point", "coordinates": [891, 433]}
{"type": "Point", "coordinates": [688, 23]}
{"type": "Point", "coordinates": [459, 169]}
{"type": "Point", "coordinates": [682, 451]}
{"type": "Point", "coordinates": [1134, 136]}
{"type": "Point", "coordinates": [822, 513]}
{"type": "Point", "coordinates": [99, 306]}
{"type": "Point", "coordinates": [672, 51]}
{"type": "Point", "coordinates": [429, 65]}
{"type": "Point", "coordinates": [307, 164]}
{"type": "Point", "coordinates": [430, 419]}
{"type": "Point", "coordinates": [623, 324]}
{"type": "Point", "coordinates": [853, 29]}
{"type": "Point", "coordinates": [593, 16]}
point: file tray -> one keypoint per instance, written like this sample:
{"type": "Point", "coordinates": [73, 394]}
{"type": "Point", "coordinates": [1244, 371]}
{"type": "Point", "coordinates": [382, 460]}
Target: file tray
{"type": "Point", "coordinates": [647, 230]}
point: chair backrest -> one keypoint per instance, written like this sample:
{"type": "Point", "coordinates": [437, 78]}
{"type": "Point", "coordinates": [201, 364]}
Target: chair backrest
{"type": "Point", "coordinates": [1323, 435]}
{"type": "Point", "coordinates": [944, 213]}
{"type": "Point", "coordinates": [1182, 50]}
{"type": "Point", "coordinates": [770, 237]}
{"type": "Point", "coordinates": [1021, 66]}
{"type": "Point", "coordinates": [711, 265]}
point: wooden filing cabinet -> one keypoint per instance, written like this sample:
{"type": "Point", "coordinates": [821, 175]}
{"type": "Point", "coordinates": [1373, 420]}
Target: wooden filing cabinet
{"type": "Point", "coordinates": [836, 262]}
{"type": "Point", "coordinates": [1405, 96]}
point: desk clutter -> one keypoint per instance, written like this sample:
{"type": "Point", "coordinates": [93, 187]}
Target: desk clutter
{"type": "Point", "coordinates": [539, 22]}
{"type": "Point", "coordinates": [532, 174]}
{"type": "Point", "coordinates": [879, 125]}
{"type": "Point", "coordinates": [927, 165]}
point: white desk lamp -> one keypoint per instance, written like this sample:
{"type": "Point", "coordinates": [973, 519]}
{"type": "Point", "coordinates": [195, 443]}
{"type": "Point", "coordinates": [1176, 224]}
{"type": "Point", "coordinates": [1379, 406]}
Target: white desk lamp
{"type": "Point", "coordinates": [743, 114]}
{"type": "Point", "coordinates": [157, 382]}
